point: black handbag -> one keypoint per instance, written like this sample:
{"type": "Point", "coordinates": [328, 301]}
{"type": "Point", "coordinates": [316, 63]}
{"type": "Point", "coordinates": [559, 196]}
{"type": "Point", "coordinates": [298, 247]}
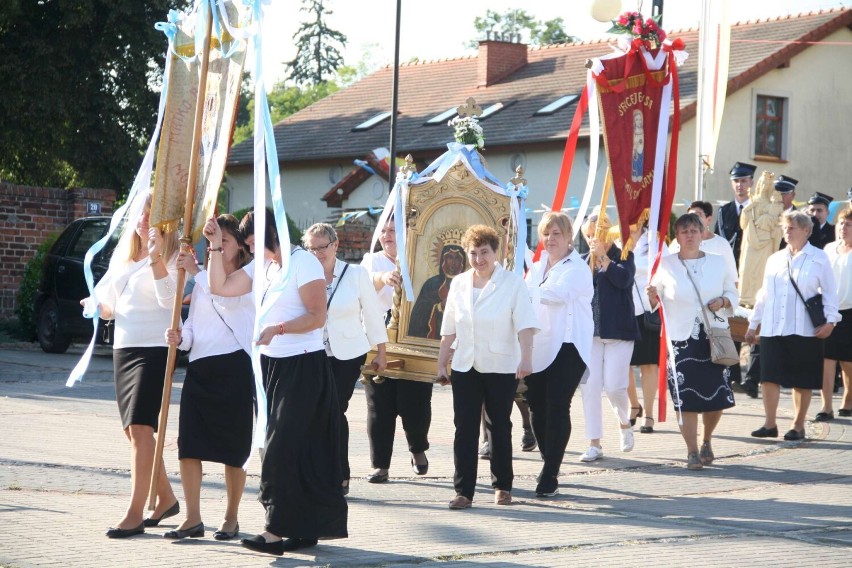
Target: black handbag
{"type": "Point", "coordinates": [650, 320]}
{"type": "Point", "coordinates": [813, 305]}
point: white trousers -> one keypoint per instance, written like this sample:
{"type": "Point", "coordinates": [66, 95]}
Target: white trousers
{"type": "Point", "coordinates": [607, 373]}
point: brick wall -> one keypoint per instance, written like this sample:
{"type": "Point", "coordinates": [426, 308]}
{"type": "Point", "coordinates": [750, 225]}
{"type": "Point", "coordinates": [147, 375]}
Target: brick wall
{"type": "Point", "coordinates": [28, 216]}
{"type": "Point", "coordinates": [355, 237]}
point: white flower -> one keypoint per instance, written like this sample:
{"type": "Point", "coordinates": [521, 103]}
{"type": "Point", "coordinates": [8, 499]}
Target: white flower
{"type": "Point", "coordinates": [468, 131]}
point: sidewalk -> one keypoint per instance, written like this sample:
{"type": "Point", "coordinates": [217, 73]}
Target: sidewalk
{"type": "Point", "coordinates": [64, 479]}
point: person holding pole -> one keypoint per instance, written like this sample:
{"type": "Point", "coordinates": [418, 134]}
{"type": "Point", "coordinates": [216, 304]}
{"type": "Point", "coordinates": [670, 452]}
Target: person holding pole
{"type": "Point", "coordinates": [217, 399]}
{"type": "Point", "coordinates": [300, 479]}
{"type": "Point", "coordinates": [137, 293]}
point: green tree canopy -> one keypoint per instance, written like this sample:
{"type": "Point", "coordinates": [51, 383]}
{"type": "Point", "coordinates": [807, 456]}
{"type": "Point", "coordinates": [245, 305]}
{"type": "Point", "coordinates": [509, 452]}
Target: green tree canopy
{"type": "Point", "coordinates": [78, 107]}
{"type": "Point", "coordinates": [518, 21]}
{"type": "Point", "coordinates": [318, 56]}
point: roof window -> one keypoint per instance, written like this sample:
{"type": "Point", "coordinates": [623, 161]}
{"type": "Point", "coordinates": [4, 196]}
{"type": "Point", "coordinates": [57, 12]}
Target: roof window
{"type": "Point", "coordinates": [491, 110]}
{"type": "Point", "coordinates": [556, 105]}
{"type": "Point", "coordinates": [443, 117]}
{"type": "Point", "coordinates": [368, 124]}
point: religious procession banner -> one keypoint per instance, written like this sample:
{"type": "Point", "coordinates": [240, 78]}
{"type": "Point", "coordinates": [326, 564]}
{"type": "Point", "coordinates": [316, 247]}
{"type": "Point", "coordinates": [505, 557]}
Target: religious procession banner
{"type": "Point", "coordinates": [224, 75]}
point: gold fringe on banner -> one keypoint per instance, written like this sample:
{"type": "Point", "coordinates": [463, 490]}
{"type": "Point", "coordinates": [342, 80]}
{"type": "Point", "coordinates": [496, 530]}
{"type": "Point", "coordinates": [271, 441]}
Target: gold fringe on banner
{"type": "Point", "coordinates": [634, 81]}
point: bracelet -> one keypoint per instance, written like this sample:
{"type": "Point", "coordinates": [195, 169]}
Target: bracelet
{"type": "Point", "coordinates": [281, 328]}
{"type": "Point", "coordinates": [153, 262]}
{"type": "Point", "coordinates": [220, 249]}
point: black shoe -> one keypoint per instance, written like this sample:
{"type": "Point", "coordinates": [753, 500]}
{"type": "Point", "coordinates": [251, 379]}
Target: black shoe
{"type": "Point", "coordinates": [750, 388]}
{"type": "Point", "coordinates": [638, 414]}
{"type": "Point", "coordinates": [296, 543]}
{"type": "Point", "coordinates": [547, 488]}
{"type": "Point", "coordinates": [259, 544]}
{"type": "Point", "coordinates": [420, 469]}
{"type": "Point", "coordinates": [125, 533]}
{"type": "Point", "coordinates": [192, 532]}
{"type": "Point", "coordinates": [377, 478]}
{"type": "Point", "coordinates": [647, 429]}
{"type": "Point", "coordinates": [764, 432]}
{"type": "Point", "coordinates": [528, 442]}
{"type": "Point", "coordinates": [170, 512]}
{"type": "Point", "coordinates": [845, 412]}
{"type": "Point", "coordinates": [794, 435]}
{"type": "Point", "coordinates": [824, 416]}
{"type": "Point", "coordinates": [225, 535]}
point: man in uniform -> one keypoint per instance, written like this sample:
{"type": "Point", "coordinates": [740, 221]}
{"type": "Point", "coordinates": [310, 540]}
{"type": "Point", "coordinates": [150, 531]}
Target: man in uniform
{"type": "Point", "coordinates": [727, 223]}
{"type": "Point", "coordinates": [786, 186]}
{"type": "Point", "coordinates": [823, 232]}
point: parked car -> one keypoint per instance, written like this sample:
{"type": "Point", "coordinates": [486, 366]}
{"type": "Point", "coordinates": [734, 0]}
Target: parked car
{"type": "Point", "coordinates": [63, 285]}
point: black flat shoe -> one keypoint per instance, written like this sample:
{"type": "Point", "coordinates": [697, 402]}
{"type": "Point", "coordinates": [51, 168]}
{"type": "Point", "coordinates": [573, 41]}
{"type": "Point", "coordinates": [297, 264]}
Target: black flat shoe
{"type": "Point", "coordinates": [259, 544]}
{"type": "Point", "coordinates": [846, 412]}
{"type": "Point", "coordinates": [191, 532]}
{"type": "Point", "coordinates": [377, 478]}
{"type": "Point", "coordinates": [764, 432]}
{"type": "Point", "coordinates": [225, 535]}
{"type": "Point", "coordinates": [420, 469]}
{"type": "Point", "coordinates": [824, 416]}
{"type": "Point", "coordinates": [292, 544]}
{"type": "Point", "coordinates": [125, 533]}
{"type": "Point", "coordinates": [638, 414]}
{"type": "Point", "coordinates": [647, 429]}
{"type": "Point", "coordinates": [170, 512]}
{"type": "Point", "coordinates": [794, 435]}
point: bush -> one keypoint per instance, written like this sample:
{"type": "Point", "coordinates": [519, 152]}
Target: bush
{"type": "Point", "coordinates": [292, 228]}
{"type": "Point", "coordinates": [26, 296]}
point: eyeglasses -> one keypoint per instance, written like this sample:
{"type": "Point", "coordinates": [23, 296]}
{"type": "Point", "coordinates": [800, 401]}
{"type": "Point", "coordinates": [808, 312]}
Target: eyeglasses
{"type": "Point", "coordinates": [315, 250]}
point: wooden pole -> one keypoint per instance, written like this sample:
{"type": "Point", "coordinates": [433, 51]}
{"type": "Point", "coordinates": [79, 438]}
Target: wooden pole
{"type": "Point", "coordinates": [599, 234]}
{"type": "Point", "coordinates": [186, 244]}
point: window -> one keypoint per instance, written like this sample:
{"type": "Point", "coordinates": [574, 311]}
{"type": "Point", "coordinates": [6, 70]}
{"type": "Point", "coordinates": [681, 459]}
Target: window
{"type": "Point", "coordinates": [556, 105]}
{"type": "Point", "coordinates": [443, 117]}
{"type": "Point", "coordinates": [89, 235]}
{"type": "Point", "coordinates": [368, 124]}
{"type": "Point", "coordinates": [770, 121]}
{"type": "Point", "coordinates": [491, 110]}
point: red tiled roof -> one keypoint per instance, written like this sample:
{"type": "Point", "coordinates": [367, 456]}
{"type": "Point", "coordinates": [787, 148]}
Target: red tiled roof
{"type": "Point", "coordinates": [428, 89]}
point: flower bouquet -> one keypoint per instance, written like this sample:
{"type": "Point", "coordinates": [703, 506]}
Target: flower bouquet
{"type": "Point", "coordinates": [633, 24]}
{"type": "Point", "coordinates": [468, 131]}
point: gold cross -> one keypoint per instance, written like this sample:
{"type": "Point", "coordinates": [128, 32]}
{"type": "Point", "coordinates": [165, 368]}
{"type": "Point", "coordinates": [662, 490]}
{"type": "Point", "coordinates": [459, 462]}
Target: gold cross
{"type": "Point", "coordinates": [469, 108]}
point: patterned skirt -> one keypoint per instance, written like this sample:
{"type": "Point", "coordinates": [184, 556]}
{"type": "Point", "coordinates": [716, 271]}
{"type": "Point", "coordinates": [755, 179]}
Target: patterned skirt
{"type": "Point", "coordinates": [699, 385]}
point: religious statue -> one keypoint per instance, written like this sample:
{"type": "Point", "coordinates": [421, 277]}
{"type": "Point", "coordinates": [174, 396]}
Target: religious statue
{"type": "Point", "coordinates": [761, 224]}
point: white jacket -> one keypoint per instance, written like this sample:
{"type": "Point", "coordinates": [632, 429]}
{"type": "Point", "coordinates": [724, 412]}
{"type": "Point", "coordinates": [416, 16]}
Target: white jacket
{"type": "Point", "coordinates": [487, 331]}
{"type": "Point", "coordinates": [355, 321]}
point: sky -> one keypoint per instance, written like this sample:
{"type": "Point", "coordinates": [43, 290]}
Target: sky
{"type": "Point", "coordinates": [439, 29]}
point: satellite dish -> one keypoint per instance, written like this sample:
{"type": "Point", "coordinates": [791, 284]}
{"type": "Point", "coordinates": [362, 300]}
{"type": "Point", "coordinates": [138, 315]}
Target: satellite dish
{"type": "Point", "coordinates": [605, 10]}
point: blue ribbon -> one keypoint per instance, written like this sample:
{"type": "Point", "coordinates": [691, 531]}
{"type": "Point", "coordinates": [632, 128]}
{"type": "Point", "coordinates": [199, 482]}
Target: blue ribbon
{"type": "Point", "coordinates": [363, 164]}
{"type": "Point", "coordinates": [455, 152]}
{"type": "Point", "coordinates": [518, 195]}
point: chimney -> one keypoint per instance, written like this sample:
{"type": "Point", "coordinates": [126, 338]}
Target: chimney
{"type": "Point", "coordinates": [499, 59]}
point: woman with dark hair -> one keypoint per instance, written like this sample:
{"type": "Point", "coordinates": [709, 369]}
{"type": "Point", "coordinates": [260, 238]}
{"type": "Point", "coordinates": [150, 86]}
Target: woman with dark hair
{"type": "Point", "coordinates": [138, 293]}
{"type": "Point", "coordinates": [300, 477]}
{"type": "Point", "coordinates": [217, 399]}
{"type": "Point", "coordinates": [791, 346]}
{"type": "Point", "coordinates": [694, 287]}
{"type": "Point", "coordinates": [488, 327]}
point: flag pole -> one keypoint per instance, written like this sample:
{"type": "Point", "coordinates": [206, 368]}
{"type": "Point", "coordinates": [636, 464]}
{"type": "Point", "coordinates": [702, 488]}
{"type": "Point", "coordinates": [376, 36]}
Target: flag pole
{"type": "Point", "coordinates": [186, 245]}
{"type": "Point", "coordinates": [599, 233]}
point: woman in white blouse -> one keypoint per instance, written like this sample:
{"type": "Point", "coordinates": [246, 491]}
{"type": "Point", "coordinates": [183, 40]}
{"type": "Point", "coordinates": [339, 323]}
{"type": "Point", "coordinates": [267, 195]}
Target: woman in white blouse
{"type": "Point", "coordinates": [488, 328]}
{"type": "Point", "coordinates": [791, 348]}
{"type": "Point", "coordinates": [561, 287]}
{"type": "Point", "coordinates": [217, 398]}
{"type": "Point", "coordinates": [695, 287]}
{"type": "Point", "coordinates": [354, 324]}
{"type": "Point", "coordinates": [138, 292]}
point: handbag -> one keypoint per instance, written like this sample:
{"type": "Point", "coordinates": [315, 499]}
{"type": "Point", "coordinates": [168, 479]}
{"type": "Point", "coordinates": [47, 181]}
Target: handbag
{"type": "Point", "coordinates": [813, 305]}
{"type": "Point", "coordinates": [650, 320]}
{"type": "Point", "coordinates": [722, 349]}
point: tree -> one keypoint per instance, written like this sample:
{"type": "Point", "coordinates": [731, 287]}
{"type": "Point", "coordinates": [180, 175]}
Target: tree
{"type": "Point", "coordinates": [317, 57]}
{"type": "Point", "coordinates": [517, 21]}
{"type": "Point", "coordinates": [78, 105]}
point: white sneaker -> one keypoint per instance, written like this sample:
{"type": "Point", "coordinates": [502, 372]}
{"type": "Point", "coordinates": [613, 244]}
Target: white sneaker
{"type": "Point", "coordinates": [592, 454]}
{"type": "Point", "coordinates": [626, 439]}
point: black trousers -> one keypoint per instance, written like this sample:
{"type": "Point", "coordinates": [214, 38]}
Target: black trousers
{"type": "Point", "coordinates": [753, 372]}
{"type": "Point", "coordinates": [736, 370]}
{"type": "Point", "coordinates": [412, 402]}
{"type": "Point", "coordinates": [346, 373]}
{"type": "Point", "coordinates": [549, 393]}
{"type": "Point", "coordinates": [472, 389]}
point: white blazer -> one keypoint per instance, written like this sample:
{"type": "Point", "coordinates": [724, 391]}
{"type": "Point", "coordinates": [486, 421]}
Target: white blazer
{"type": "Point", "coordinates": [814, 275]}
{"type": "Point", "coordinates": [355, 321]}
{"type": "Point", "coordinates": [680, 302]}
{"type": "Point", "coordinates": [487, 331]}
{"type": "Point", "coordinates": [563, 303]}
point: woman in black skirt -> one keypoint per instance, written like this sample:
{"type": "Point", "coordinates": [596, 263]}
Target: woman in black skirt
{"type": "Point", "coordinates": [138, 292]}
{"type": "Point", "coordinates": [693, 286]}
{"type": "Point", "coordinates": [791, 347]}
{"type": "Point", "coordinates": [300, 479]}
{"type": "Point", "coordinates": [216, 403]}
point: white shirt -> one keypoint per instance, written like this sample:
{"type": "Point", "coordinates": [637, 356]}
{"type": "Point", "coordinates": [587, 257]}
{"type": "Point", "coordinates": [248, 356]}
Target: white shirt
{"type": "Point", "coordinates": [563, 303]}
{"type": "Point", "coordinates": [287, 305]}
{"type": "Point", "coordinates": [778, 309]}
{"type": "Point", "coordinates": [355, 318]}
{"type": "Point", "coordinates": [141, 306]}
{"type": "Point", "coordinates": [716, 245]}
{"type": "Point", "coordinates": [487, 329]}
{"type": "Point", "coordinates": [216, 325]}
{"type": "Point", "coordinates": [841, 265]}
{"type": "Point", "coordinates": [680, 302]}
{"type": "Point", "coordinates": [379, 262]}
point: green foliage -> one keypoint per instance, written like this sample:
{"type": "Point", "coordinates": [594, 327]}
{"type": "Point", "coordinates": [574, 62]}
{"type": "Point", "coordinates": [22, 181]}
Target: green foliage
{"type": "Point", "coordinates": [318, 56]}
{"type": "Point", "coordinates": [553, 31]}
{"type": "Point", "coordinates": [77, 104]}
{"type": "Point", "coordinates": [517, 21]}
{"type": "Point", "coordinates": [27, 292]}
{"type": "Point", "coordinates": [292, 228]}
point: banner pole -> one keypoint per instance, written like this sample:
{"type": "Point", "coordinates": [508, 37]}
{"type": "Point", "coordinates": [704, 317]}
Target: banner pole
{"type": "Point", "coordinates": [599, 233]}
{"type": "Point", "coordinates": [186, 245]}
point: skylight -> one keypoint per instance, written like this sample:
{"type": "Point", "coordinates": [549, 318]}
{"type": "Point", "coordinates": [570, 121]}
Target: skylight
{"type": "Point", "coordinates": [491, 110]}
{"type": "Point", "coordinates": [443, 117]}
{"type": "Point", "coordinates": [556, 105]}
{"type": "Point", "coordinates": [368, 124]}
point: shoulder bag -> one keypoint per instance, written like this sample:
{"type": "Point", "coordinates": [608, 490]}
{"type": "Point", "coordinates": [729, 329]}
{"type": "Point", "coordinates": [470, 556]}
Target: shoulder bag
{"type": "Point", "coordinates": [813, 305]}
{"type": "Point", "coordinates": [722, 348]}
{"type": "Point", "coordinates": [650, 320]}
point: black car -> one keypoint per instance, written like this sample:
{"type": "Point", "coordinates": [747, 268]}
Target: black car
{"type": "Point", "coordinates": [63, 285]}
